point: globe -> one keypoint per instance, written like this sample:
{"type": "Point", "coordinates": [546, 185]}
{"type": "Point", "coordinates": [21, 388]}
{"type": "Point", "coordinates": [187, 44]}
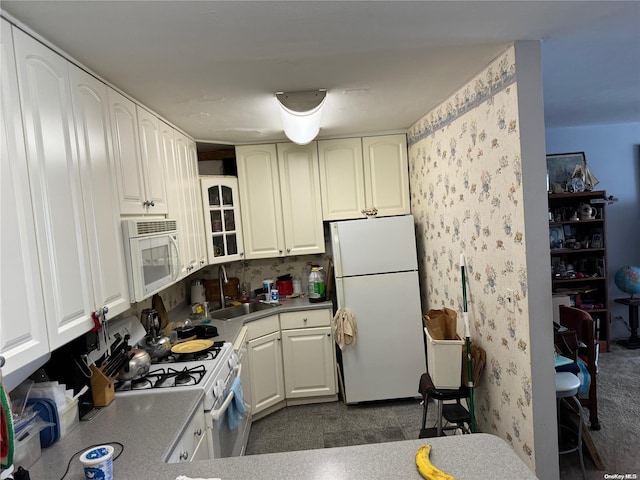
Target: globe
{"type": "Point", "coordinates": [627, 279]}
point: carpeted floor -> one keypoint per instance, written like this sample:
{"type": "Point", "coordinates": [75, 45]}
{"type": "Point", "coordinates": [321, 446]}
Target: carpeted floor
{"type": "Point", "coordinates": [619, 413]}
{"type": "Point", "coordinates": [336, 424]}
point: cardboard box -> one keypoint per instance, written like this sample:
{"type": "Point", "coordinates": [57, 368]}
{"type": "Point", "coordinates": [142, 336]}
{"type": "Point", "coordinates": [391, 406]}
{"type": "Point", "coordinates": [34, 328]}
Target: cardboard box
{"type": "Point", "coordinates": [444, 361]}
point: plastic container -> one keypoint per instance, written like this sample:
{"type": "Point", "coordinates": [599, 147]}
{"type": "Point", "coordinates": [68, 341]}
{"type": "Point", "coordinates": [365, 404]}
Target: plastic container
{"type": "Point", "coordinates": [316, 285]}
{"type": "Point", "coordinates": [68, 417]}
{"type": "Point", "coordinates": [98, 462]}
{"type": "Point", "coordinates": [444, 361]}
{"type": "Point", "coordinates": [27, 451]}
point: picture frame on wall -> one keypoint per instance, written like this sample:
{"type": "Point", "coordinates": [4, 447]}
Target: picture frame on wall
{"type": "Point", "coordinates": [556, 237]}
{"type": "Point", "coordinates": [560, 170]}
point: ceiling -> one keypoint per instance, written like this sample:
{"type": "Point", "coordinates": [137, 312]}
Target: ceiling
{"type": "Point", "coordinates": [211, 68]}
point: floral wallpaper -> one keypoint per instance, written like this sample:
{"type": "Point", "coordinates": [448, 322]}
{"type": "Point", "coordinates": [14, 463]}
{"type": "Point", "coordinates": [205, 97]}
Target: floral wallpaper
{"type": "Point", "coordinates": [466, 196]}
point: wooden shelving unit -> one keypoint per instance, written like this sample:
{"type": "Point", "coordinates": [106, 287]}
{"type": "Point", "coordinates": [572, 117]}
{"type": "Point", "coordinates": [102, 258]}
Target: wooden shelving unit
{"type": "Point", "coordinates": [578, 249]}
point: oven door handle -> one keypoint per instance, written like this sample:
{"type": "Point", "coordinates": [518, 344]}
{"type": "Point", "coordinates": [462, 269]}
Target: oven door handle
{"type": "Point", "coordinates": [217, 414]}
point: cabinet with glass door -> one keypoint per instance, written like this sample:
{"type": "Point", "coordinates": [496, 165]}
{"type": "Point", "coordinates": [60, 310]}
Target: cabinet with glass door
{"type": "Point", "coordinates": [223, 228]}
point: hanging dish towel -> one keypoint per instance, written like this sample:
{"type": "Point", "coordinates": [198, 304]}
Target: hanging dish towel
{"type": "Point", "coordinates": [344, 327]}
{"type": "Point", "coordinates": [236, 407]}
{"type": "Point", "coordinates": [6, 430]}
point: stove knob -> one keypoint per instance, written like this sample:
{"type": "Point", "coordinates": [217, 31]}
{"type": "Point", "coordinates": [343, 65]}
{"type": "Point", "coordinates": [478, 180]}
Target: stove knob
{"type": "Point", "coordinates": [218, 389]}
{"type": "Point", "coordinates": [233, 361]}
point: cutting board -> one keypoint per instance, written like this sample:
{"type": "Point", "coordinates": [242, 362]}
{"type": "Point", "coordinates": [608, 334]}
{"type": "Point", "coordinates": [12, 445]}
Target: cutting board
{"type": "Point", "coordinates": [158, 305]}
{"type": "Point", "coordinates": [212, 289]}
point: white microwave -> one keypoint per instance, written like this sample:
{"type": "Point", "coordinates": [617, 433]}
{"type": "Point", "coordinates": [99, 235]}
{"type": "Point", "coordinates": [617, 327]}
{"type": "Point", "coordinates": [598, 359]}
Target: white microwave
{"type": "Point", "coordinates": [152, 255]}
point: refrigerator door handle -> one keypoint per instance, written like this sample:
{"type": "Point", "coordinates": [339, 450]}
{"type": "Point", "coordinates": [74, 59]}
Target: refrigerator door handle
{"type": "Point", "coordinates": [340, 292]}
{"type": "Point", "coordinates": [337, 260]}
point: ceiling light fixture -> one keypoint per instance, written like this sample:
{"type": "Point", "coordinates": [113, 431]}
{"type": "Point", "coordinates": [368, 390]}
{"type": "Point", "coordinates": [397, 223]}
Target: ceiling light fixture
{"type": "Point", "coordinates": [301, 113]}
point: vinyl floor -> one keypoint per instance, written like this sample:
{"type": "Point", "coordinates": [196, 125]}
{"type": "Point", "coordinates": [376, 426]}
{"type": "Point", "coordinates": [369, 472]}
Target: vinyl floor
{"type": "Point", "coordinates": [335, 424]}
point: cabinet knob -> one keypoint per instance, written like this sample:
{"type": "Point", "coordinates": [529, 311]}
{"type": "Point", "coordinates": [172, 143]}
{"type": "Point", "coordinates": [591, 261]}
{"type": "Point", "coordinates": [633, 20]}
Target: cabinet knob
{"type": "Point", "coordinates": [280, 251]}
{"type": "Point", "coordinates": [184, 456]}
{"type": "Point", "coordinates": [242, 254]}
{"type": "Point", "coordinates": [304, 320]}
{"type": "Point", "coordinates": [198, 432]}
{"type": "Point", "coordinates": [288, 250]}
{"type": "Point", "coordinates": [328, 334]}
{"type": "Point", "coordinates": [152, 203]}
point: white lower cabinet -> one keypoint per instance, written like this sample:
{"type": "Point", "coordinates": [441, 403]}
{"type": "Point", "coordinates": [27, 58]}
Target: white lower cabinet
{"type": "Point", "coordinates": [308, 354]}
{"type": "Point", "coordinates": [293, 360]}
{"type": "Point", "coordinates": [265, 363]}
{"type": "Point", "coordinates": [194, 444]}
{"type": "Point", "coordinates": [309, 366]}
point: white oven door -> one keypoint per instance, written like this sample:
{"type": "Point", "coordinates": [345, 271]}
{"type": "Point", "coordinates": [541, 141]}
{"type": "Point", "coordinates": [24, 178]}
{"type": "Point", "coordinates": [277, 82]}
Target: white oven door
{"type": "Point", "coordinates": [226, 442]}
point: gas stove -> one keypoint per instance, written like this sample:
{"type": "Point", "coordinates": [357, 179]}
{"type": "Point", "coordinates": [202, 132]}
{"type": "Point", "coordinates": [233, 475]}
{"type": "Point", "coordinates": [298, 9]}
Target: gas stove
{"type": "Point", "coordinates": [210, 371]}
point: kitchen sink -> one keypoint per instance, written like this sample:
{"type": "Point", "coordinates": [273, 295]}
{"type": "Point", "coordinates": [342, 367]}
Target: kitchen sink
{"type": "Point", "coordinates": [230, 313]}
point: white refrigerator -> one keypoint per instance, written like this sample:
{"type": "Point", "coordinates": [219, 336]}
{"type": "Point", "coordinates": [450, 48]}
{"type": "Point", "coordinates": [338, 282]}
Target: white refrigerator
{"type": "Point", "coordinates": [376, 272]}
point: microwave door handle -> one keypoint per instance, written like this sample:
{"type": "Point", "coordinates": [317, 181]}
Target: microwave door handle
{"type": "Point", "coordinates": [176, 267]}
{"type": "Point", "coordinates": [217, 414]}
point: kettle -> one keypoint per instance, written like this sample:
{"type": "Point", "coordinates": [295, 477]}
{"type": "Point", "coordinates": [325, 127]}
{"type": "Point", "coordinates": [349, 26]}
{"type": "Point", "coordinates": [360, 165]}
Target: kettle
{"type": "Point", "coordinates": [150, 320]}
{"type": "Point", "coordinates": [155, 344]}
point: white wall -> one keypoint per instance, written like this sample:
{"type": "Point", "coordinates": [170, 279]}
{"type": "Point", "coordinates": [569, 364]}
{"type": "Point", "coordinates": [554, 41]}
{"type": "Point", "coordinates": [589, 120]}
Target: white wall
{"type": "Point", "coordinates": [613, 155]}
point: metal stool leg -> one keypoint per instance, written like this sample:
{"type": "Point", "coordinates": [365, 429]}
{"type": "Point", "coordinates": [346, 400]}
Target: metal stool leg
{"type": "Point", "coordinates": [580, 422]}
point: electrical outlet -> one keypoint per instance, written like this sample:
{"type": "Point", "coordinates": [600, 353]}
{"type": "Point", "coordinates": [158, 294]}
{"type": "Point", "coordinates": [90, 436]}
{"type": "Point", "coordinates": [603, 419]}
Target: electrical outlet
{"type": "Point", "coordinates": [511, 301]}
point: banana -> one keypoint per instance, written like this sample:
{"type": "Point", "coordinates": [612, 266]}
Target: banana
{"type": "Point", "coordinates": [426, 468]}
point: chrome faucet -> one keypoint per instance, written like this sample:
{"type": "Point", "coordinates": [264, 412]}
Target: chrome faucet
{"type": "Point", "coordinates": [222, 279]}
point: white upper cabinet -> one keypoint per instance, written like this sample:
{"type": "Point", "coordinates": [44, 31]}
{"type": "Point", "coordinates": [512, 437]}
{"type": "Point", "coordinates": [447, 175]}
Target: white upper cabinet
{"type": "Point", "coordinates": [23, 331]}
{"type": "Point", "coordinates": [54, 176]}
{"type": "Point", "coordinates": [196, 205]}
{"type": "Point", "coordinates": [99, 193]}
{"type": "Point", "coordinates": [301, 204]}
{"type": "Point", "coordinates": [259, 184]}
{"type": "Point", "coordinates": [341, 178]}
{"type": "Point", "coordinates": [386, 174]}
{"type": "Point", "coordinates": [361, 173]}
{"type": "Point", "coordinates": [186, 204]}
{"type": "Point", "coordinates": [139, 172]}
{"type": "Point", "coordinates": [175, 200]}
{"type": "Point", "coordinates": [280, 200]}
{"type": "Point", "coordinates": [152, 165]}
{"type": "Point", "coordinates": [222, 224]}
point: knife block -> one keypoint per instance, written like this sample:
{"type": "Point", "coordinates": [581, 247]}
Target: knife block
{"type": "Point", "coordinates": [102, 387]}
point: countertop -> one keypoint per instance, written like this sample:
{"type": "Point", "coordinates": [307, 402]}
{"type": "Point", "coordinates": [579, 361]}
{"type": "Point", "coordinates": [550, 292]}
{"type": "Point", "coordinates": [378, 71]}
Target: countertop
{"type": "Point", "coordinates": [149, 426]}
{"type": "Point", "coordinates": [228, 329]}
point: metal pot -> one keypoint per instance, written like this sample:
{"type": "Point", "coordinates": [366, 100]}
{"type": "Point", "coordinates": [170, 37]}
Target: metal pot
{"type": "Point", "coordinates": [138, 365]}
{"type": "Point", "coordinates": [157, 347]}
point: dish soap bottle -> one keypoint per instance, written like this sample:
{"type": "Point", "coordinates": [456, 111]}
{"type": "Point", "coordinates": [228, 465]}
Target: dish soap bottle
{"type": "Point", "coordinates": [316, 284]}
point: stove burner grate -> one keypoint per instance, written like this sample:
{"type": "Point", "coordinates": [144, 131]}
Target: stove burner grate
{"type": "Point", "coordinates": [166, 378]}
{"type": "Point", "coordinates": [209, 354]}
